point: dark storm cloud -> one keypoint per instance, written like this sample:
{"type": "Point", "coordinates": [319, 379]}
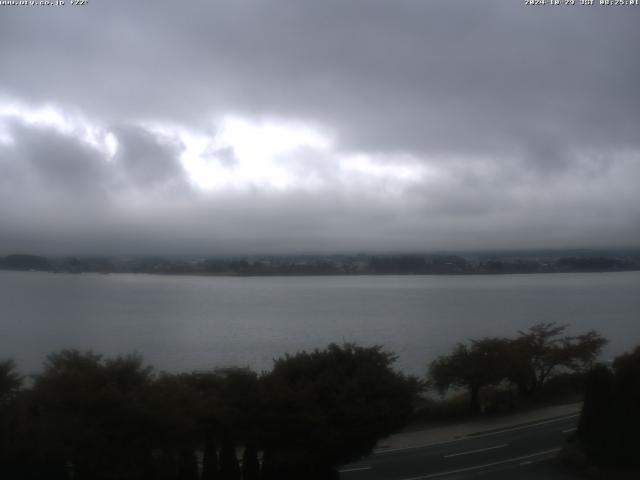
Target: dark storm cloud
{"type": "Point", "coordinates": [144, 158]}
{"type": "Point", "coordinates": [520, 123]}
{"type": "Point", "coordinates": [42, 161]}
{"type": "Point", "coordinates": [412, 75]}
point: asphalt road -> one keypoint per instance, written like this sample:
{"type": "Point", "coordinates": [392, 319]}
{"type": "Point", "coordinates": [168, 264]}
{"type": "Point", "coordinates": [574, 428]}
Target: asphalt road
{"type": "Point", "coordinates": [499, 452]}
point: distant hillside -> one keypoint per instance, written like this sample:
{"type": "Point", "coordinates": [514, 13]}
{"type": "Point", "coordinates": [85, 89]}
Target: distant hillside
{"type": "Point", "coordinates": [24, 262]}
{"type": "Point", "coordinates": [361, 264]}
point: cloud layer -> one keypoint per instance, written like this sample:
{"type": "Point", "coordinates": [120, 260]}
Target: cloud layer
{"type": "Point", "coordinates": [246, 127]}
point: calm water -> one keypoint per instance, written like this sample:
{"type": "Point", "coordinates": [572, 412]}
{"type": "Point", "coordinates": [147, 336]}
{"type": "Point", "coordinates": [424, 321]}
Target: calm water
{"type": "Point", "coordinates": [184, 323]}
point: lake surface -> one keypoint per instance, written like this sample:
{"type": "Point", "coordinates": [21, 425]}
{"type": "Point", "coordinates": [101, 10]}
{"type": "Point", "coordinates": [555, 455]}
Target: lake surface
{"type": "Point", "coordinates": [185, 323]}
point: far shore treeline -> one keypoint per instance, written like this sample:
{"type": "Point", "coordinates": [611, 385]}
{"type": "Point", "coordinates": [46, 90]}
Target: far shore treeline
{"type": "Point", "coordinates": [361, 264]}
{"type": "Point", "coordinates": [85, 416]}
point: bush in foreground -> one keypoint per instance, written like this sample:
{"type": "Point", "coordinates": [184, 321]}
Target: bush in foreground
{"type": "Point", "coordinates": [610, 419]}
{"type": "Point", "coordinates": [91, 418]}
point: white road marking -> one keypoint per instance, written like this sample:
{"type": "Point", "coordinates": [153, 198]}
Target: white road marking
{"type": "Point", "coordinates": [354, 469]}
{"type": "Point", "coordinates": [569, 430]}
{"type": "Point", "coordinates": [424, 445]}
{"type": "Point", "coordinates": [469, 452]}
{"type": "Point", "coordinates": [531, 462]}
{"type": "Point", "coordinates": [472, 436]}
{"type": "Point", "coordinates": [478, 467]}
{"type": "Point", "coordinates": [524, 427]}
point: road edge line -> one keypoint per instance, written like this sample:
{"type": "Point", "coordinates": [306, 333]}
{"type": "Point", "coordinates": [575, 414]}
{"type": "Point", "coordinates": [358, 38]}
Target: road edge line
{"type": "Point", "coordinates": [471, 436]}
{"type": "Point", "coordinates": [478, 467]}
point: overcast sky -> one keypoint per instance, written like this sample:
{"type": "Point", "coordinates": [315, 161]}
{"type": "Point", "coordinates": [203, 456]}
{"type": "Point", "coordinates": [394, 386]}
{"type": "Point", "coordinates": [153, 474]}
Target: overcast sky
{"type": "Point", "coordinates": [208, 127]}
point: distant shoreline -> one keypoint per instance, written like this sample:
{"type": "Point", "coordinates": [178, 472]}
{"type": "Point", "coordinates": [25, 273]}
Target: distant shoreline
{"type": "Point", "coordinates": [364, 274]}
{"type": "Point", "coordinates": [337, 265]}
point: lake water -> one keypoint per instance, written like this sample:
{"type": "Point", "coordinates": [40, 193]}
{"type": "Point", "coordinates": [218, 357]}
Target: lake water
{"type": "Point", "coordinates": [185, 323]}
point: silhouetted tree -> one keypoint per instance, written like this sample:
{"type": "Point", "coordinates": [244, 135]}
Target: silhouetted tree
{"type": "Point", "coordinates": [269, 468]}
{"type": "Point", "coordinates": [540, 352]}
{"type": "Point", "coordinates": [167, 465]}
{"type": "Point", "coordinates": [10, 381]}
{"type": "Point", "coordinates": [91, 414]}
{"type": "Point", "coordinates": [594, 426]}
{"type": "Point", "coordinates": [229, 466]}
{"type": "Point", "coordinates": [250, 464]}
{"type": "Point", "coordinates": [210, 459]}
{"type": "Point", "coordinates": [475, 366]}
{"type": "Point", "coordinates": [527, 361]}
{"type": "Point", "coordinates": [241, 403]}
{"type": "Point", "coordinates": [610, 418]}
{"type": "Point", "coordinates": [87, 417]}
{"type": "Point", "coordinates": [12, 420]}
{"type": "Point", "coordinates": [174, 407]}
{"type": "Point", "coordinates": [329, 407]}
{"type": "Point", "coordinates": [626, 399]}
{"type": "Point", "coordinates": [187, 465]}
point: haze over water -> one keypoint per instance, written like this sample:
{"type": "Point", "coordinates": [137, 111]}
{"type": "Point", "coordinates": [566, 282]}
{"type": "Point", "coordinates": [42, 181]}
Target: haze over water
{"type": "Point", "coordinates": [184, 323]}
